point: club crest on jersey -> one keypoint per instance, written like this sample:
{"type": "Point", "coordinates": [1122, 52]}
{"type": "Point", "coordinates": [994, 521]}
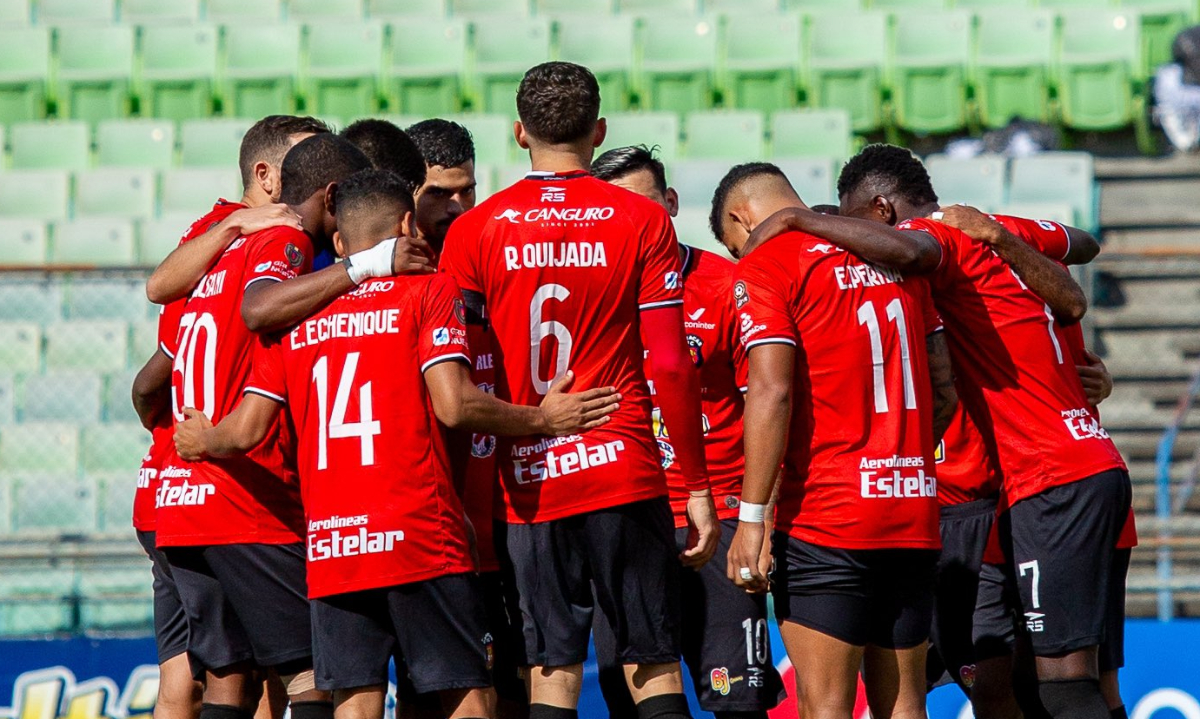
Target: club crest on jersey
{"type": "Point", "coordinates": [732, 502]}
{"type": "Point", "coordinates": [740, 295]}
{"type": "Point", "coordinates": [554, 194]}
{"type": "Point", "coordinates": [294, 256]}
{"type": "Point", "coordinates": [482, 446]}
{"type": "Point", "coordinates": [666, 453]}
{"type": "Point", "coordinates": [671, 280]}
{"type": "Point", "coordinates": [696, 348]}
{"type": "Point", "coordinates": [460, 311]}
{"type": "Point", "coordinates": [441, 337]}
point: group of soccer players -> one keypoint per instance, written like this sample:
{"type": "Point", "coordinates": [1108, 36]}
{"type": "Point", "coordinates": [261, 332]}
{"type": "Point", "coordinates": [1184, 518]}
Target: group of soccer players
{"type": "Point", "coordinates": [391, 425]}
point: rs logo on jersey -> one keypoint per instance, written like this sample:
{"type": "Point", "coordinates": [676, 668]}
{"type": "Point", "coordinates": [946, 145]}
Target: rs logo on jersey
{"type": "Point", "coordinates": [554, 194]}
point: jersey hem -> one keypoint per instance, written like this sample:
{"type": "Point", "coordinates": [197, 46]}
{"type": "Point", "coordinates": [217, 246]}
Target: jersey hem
{"type": "Point", "coordinates": [828, 543]}
{"type": "Point", "coordinates": [656, 305]}
{"type": "Point", "coordinates": [391, 580]}
{"type": "Point", "coordinates": [1032, 489]}
{"type": "Point", "coordinates": [201, 540]}
{"type": "Point", "coordinates": [512, 517]}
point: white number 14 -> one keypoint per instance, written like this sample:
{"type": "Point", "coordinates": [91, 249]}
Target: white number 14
{"type": "Point", "coordinates": [336, 426]}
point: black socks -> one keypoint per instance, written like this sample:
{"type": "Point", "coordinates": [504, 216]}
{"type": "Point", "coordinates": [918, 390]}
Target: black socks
{"type": "Point", "coordinates": [1079, 699]}
{"type": "Point", "coordinates": [663, 706]}
{"type": "Point", "coordinates": [312, 710]}
{"type": "Point", "coordinates": [224, 711]}
{"type": "Point", "coordinates": [545, 711]}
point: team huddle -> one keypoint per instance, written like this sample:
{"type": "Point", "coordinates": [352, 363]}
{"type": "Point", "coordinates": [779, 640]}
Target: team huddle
{"type": "Point", "coordinates": [390, 424]}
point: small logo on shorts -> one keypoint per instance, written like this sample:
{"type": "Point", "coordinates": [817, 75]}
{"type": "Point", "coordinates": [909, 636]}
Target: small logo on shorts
{"type": "Point", "coordinates": [1035, 622]}
{"type": "Point", "coordinates": [967, 675]}
{"type": "Point", "coordinates": [489, 650]}
{"type": "Point", "coordinates": [721, 682]}
{"type": "Point", "coordinates": [731, 502]}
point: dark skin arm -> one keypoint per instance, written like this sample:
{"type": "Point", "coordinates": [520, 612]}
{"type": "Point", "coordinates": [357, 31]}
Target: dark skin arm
{"type": "Point", "coordinates": [941, 378]}
{"type": "Point", "coordinates": [1097, 382]}
{"type": "Point", "coordinates": [152, 391]}
{"type": "Point", "coordinates": [907, 251]}
{"type": "Point", "coordinates": [1084, 247]}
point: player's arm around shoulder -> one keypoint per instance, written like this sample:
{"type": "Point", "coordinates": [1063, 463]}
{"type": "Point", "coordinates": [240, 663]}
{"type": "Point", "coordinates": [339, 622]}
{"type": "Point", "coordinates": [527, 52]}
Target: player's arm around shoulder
{"type": "Point", "coordinates": [241, 430]}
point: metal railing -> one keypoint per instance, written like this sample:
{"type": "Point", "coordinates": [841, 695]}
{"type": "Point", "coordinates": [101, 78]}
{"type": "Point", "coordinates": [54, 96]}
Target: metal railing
{"type": "Point", "coordinates": [1165, 507]}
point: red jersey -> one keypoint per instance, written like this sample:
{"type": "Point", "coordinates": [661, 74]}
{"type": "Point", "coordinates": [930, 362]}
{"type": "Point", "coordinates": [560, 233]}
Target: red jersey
{"type": "Point", "coordinates": [565, 264]}
{"type": "Point", "coordinates": [379, 501]}
{"type": "Point", "coordinates": [1016, 379]}
{"type": "Point", "coordinates": [144, 517]}
{"type": "Point", "coordinates": [479, 491]}
{"type": "Point", "coordinates": [712, 341]}
{"type": "Point", "coordinates": [249, 499]}
{"type": "Point", "coordinates": [859, 470]}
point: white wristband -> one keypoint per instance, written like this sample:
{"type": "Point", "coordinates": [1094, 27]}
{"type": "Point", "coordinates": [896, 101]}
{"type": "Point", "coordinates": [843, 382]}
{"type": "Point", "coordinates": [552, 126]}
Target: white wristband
{"type": "Point", "coordinates": [751, 512]}
{"type": "Point", "coordinates": [375, 262]}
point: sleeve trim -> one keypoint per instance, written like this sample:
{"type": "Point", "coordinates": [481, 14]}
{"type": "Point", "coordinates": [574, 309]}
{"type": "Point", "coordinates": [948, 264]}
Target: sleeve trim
{"type": "Point", "coordinates": [656, 305]}
{"type": "Point", "coordinates": [264, 393]}
{"type": "Point", "coordinates": [162, 347]}
{"type": "Point", "coordinates": [771, 341]}
{"type": "Point", "coordinates": [935, 330]}
{"type": "Point", "coordinates": [1063, 227]}
{"type": "Point", "coordinates": [259, 279]}
{"type": "Point", "coordinates": [456, 357]}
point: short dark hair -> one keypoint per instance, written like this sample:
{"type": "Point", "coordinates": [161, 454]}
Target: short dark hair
{"type": "Point", "coordinates": [372, 191]}
{"type": "Point", "coordinates": [268, 141]}
{"type": "Point", "coordinates": [887, 170]}
{"type": "Point", "coordinates": [826, 209]}
{"type": "Point", "coordinates": [732, 180]}
{"type": "Point", "coordinates": [559, 102]}
{"type": "Point", "coordinates": [443, 143]}
{"type": "Point", "coordinates": [624, 161]}
{"type": "Point", "coordinates": [316, 162]}
{"type": "Point", "coordinates": [389, 148]}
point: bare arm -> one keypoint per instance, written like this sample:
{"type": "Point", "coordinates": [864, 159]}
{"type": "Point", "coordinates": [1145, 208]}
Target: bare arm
{"type": "Point", "coordinates": [875, 242]}
{"type": "Point", "coordinates": [152, 390]}
{"type": "Point", "coordinates": [1097, 382]}
{"type": "Point", "coordinates": [1084, 247]}
{"type": "Point", "coordinates": [941, 378]}
{"type": "Point", "coordinates": [239, 432]}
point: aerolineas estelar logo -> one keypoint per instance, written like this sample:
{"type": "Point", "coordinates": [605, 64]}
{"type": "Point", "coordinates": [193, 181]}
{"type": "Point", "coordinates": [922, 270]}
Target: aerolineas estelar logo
{"type": "Point", "coordinates": [54, 693]}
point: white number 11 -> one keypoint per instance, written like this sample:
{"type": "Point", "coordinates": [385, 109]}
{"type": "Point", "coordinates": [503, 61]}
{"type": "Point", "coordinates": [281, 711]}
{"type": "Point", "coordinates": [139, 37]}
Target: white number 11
{"type": "Point", "coordinates": [895, 313]}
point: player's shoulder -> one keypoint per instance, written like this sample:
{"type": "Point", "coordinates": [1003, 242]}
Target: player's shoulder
{"type": "Point", "coordinates": [928, 226]}
{"type": "Point", "coordinates": [1025, 226]}
{"type": "Point", "coordinates": [221, 210]}
{"type": "Point", "coordinates": [482, 212]}
{"type": "Point", "coordinates": [791, 247]}
{"type": "Point", "coordinates": [708, 266]}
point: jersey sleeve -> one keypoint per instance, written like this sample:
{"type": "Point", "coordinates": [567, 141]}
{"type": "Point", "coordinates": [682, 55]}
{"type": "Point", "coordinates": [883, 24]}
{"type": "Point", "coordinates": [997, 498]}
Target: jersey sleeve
{"type": "Point", "coordinates": [458, 257]}
{"type": "Point", "coordinates": [661, 283]}
{"type": "Point", "coordinates": [1049, 238]}
{"type": "Point", "coordinates": [268, 377]}
{"type": "Point", "coordinates": [168, 326]}
{"type": "Point", "coordinates": [277, 255]}
{"type": "Point", "coordinates": [443, 323]}
{"type": "Point", "coordinates": [762, 305]}
{"type": "Point", "coordinates": [933, 320]}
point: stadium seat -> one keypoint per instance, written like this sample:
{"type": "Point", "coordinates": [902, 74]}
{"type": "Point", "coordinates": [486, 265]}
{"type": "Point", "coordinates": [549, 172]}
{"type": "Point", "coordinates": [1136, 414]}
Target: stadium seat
{"type": "Point", "coordinates": [95, 13]}
{"type": "Point", "coordinates": [977, 181]}
{"type": "Point", "coordinates": [1057, 177]}
{"type": "Point", "coordinates": [194, 191]}
{"type": "Point", "coordinates": [260, 64]}
{"type": "Point", "coordinates": [345, 61]}
{"type": "Point", "coordinates": [317, 11]}
{"type": "Point", "coordinates": [24, 72]}
{"type": "Point", "coordinates": [980, 5]}
{"type": "Point", "coordinates": [117, 404]}
{"type": "Point", "coordinates": [14, 12]}
{"type": "Point", "coordinates": [426, 66]}
{"type": "Point", "coordinates": [114, 446]}
{"type": "Point", "coordinates": [159, 236]}
{"type": "Point", "coordinates": [652, 129]}
{"type": "Point", "coordinates": [119, 600]}
{"type": "Point", "coordinates": [742, 7]}
{"type": "Point", "coordinates": [676, 8]}
{"type": "Point", "coordinates": [145, 342]}
{"type": "Point", "coordinates": [811, 133]}
{"type": "Point", "coordinates": [135, 143]}
{"type": "Point", "coordinates": [605, 45]}
{"type": "Point", "coordinates": [95, 66]}
{"type": "Point", "coordinates": [1161, 21]}
{"type": "Point", "coordinates": [929, 70]}
{"type": "Point", "coordinates": [692, 228]}
{"type": "Point", "coordinates": [8, 399]}
{"type": "Point", "coordinates": [899, 6]}
{"type": "Point", "coordinates": [51, 145]}
{"type": "Point", "coordinates": [762, 60]}
{"type": "Point", "coordinates": [696, 180]}
{"type": "Point", "coordinates": [124, 192]}
{"type": "Point", "coordinates": [94, 242]}
{"type": "Point", "coordinates": [493, 136]}
{"type": "Point", "coordinates": [560, 8]}
{"type": "Point", "coordinates": [242, 11]}
{"type": "Point", "coordinates": [27, 301]}
{"type": "Point", "coordinates": [824, 5]}
{"type": "Point", "coordinates": [103, 299]}
{"type": "Point", "coordinates": [813, 178]}
{"type": "Point", "coordinates": [511, 9]}
{"type": "Point", "coordinates": [154, 12]}
{"type": "Point", "coordinates": [678, 60]}
{"type": "Point", "coordinates": [504, 50]}
{"type": "Point", "coordinates": [53, 504]}
{"type": "Point", "coordinates": [36, 602]}
{"type": "Point", "coordinates": [1014, 49]}
{"type": "Point", "coordinates": [61, 397]}
{"type": "Point", "coordinates": [212, 143]}
{"type": "Point", "coordinates": [1099, 55]}
{"type": "Point", "coordinates": [86, 345]}
{"type": "Point", "coordinates": [23, 243]}
{"type": "Point", "coordinates": [1060, 212]}
{"type": "Point", "coordinates": [395, 9]}
{"type": "Point", "coordinates": [20, 347]}
{"type": "Point", "coordinates": [179, 64]}
{"type": "Point", "coordinates": [735, 135]}
{"type": "Point", "coordinates": [117, 491]}
{"type": "Point", "coordinates": [845, 69]}
{"type": "Point", "coordinates": [41, 194]}
{"type": "Point", "coordinates": [39, 447]}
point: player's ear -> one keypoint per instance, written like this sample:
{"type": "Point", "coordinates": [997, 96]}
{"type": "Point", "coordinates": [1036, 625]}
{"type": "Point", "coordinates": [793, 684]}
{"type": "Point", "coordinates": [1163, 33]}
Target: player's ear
{"type": "Point", "coordinates": [672, 198]}
{"type": "Point", "coordinates": [267, 178]}
{"type": "Point", "coordinates": [408, 225]}
{"type": "Point", "coordinates": [338, 246]}
{"type": "Point", "coordinates": [520, 135]}
{"type": "Point", "coordinates": [331, 199]}
{"type": "Point", "coordinates": [601, 132]}
{"type": "Point", "coordinates": [884, 209]}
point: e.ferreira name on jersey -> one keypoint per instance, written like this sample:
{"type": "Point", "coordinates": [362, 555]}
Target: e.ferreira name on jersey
{"type": "Point", "coordinates": [570, 460]}
{"type": "Point", "coordinates": [534, 255]}
{"type": "Point", "coordinates": [895, 484]}
{"type": "Point", "coordinates": [850, 277]}
{"type": "Point", "coordinates": [346, 325]}
{"type": "Point", "coordinates": [1083, 425]}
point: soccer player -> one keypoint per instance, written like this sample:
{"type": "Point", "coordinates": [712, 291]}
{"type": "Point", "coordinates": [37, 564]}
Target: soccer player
{"type": "Point", "coordinates": [231, 530]}
{"type": "Point", "coordinates": [571, 270]}
{"type": "Point", "coordinates": [449, 188]}
{"type": "Point", "coordinates": [839, 347]}
{"type": "Point", "coordinates": [1066, 491]}
{"type": "Point", "coordinates": [725, 641]}
{"type": "Point", "coordinates": [366, 381]}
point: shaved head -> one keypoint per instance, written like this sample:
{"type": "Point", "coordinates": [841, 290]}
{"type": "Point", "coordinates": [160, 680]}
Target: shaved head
{"type": "Point", "coordinates": [747, 195]}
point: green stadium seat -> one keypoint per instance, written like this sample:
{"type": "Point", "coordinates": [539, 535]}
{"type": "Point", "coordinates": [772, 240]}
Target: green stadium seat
{"type": "Point", "coordinates": [813, 178]}
{"type": "Point", "coordinates": [95, 241]}
{"type": "Point", "coordinates": [1161, 21]}
{"type": "Point", "coordinates": [42, 194]}
{"type": "Point", "coordinates": [929, 70]}
{"type": "Point", "coordinates": [1099, 56]}
{"type": "Point", "coordinates": [260, 69]}
{"type": "Point", "coordinates": [1060, 212]}
{"type": "Point", "coordinates": [977, 181]}
{"type": "Point", "coordinates": [20, 347]}
{"type": "Point", "coordinates": [735, 135]}
{"type": "Point", "coordinates": [193, 192]}
{"type": "Point", "coordinates": [314, 11]}
{"type": "Point", "coordinates": [982, 5]}
{"type": "Point", "coordinates": [37, 602]}
{"type": "Point", "coordinates": [345, 61]}
{"type": "Point", "coordinates": [23, 242]}
{"type": "Point", "coordinates": [493, 136]}
{"type": "Point", "coordinates": [39, 447]}
{"type": "Point", "coordinates": [53, 504]}
{"type": "Point", "coordinates": [824, 5]}
{"type": "Point", "coordinates": [675, 8]}
{"type": "Point", "coordinates": [426, 65]}
{"type": "Point", "coordinates": [845, 69]}
{"type": "Point", "coordinates": [242, 11]}
{"type": "Point", "coordinates": [154, 12]}
{"type": "Point", "coordinates": [14, 12]}
{"type": "Point", "coordinates": [212, 143]}
{"type": "Point", "coordinates": [8, 399]}
{"type": "Point", "coordinates": [159, 236]}
{"type": "Point", "coordinates": [507, 175]}
{"type": "Point", "coordinates": [117, 491]}
{"type": "Point", "coordinates": [125, 192]}
{"type": "Point", "coordinates": [117, 404]}
{"type": "Point", "coordinates": [179, 64]}
{"type": "Point", "coordinates": [652, 129]}
{"type": "Point", "coordinates": [120, 600]}
{"type": "Point", "coordinates": [24, 72]}
{"type": "Point", "coordinates": [114, 446]}
{"type": "Point", "coordinates": [98, 299]}
{"type": "Point", "coordinates": [1082, 4]}
{"type": "Point", "coordinates": [678, 61]}
{"type": "Point", "coordinates": [696, 180]}
{"type": "Point", "coordinates": [394, 9]}
{"type": "Point", "coordinates": [510, 9]}
{"type": "Point", "coordinates": [51, 145]}
{"type": "Point", "coordinates": [560, 8]}
{"type": "Point", "coordinates": [692, 228]}
{"type": "Point", "coordinates": [61, 397]}
{"type": "Point", "coordinates": [145, 343]}
{"type": "Point", "coordinates": [504, 50]}
{"type": "Point", "coordinates": [605, 45]}
{"type": "Point", "coordinates": [95, 67]}
{"type": "Point", "coordinates": [899, 6]}
{"type": "Point", "coordinates": [84, 12]}
{"type": "Point", "coordinates": [1014, 50]}
{"type": "Point", "coordinates": [812, 133]}
{"type": "Point", "coordinates": [26, 301]}
{"type": "Point", "coordinates": [762, 61]}
{"type": "Point", "coordinates": [99, 345]}
{"type": "Point", "coordinates": [1067, 177]}
{"type": "Point", "coordinates": [135, 143]}
{"type": "Point", "coordinates": [742, 7]}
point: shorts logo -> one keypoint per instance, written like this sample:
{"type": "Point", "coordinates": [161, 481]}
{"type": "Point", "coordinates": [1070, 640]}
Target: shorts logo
{"type": "Point", "coordinates": [1035, 622]}
{"type": "Point", "coordinates": [489, 649]}
{"type": "Point", "coordinates": [967, 675]}
{"type": "Point", "coordinates": [263, 267]}
{"type": "Point", "coordinates": [671, 280]}
{"type": "Point", "coordinates": [441, 337]}
{"type": "Point", "coordinates": [294, 256]}
{"type": "Point", "coordinates": [740, 295]}
{"type": "Point", "coordinates": [721, 682]}
{"type": "Point", "coordinates": [696, 347]}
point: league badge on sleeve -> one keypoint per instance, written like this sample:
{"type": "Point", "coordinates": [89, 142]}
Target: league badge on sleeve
{"type": "Point", "coordinates": [740, 295]}
{"type": "Point", "coordinates": [294, 256]}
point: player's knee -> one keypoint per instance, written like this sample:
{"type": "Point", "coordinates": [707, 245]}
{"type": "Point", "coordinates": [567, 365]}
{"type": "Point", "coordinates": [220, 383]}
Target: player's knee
{"type": "Point", "coordinates": [1075, 699]}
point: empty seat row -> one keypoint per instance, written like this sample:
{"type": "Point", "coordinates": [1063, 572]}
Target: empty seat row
{"type": "Point", "coordinates": [51, 599]}
{"type": "Point", "coordinates": [65, 296]}
{"type": "Point", "coordinates": [90, 241]}
{"type": "Point", "coordinates": [83, 345]}
{"type": "Point", "coordinates": [66, 449]}
{"type": "Point", "coordinates": [115, 193]}
{"type": "Point", "coordinates": [68, 396]}
{"type": "Point", "coordinates": [1038, 184]}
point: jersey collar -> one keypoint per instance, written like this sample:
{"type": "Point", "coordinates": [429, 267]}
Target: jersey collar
{"type": "Point", "coordinates": [556, 176]}
{"type": "Point", "coordinates": [689, 256]}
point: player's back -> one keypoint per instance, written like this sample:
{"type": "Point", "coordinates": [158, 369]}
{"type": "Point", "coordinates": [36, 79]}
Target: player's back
{"type": "Point", "coordinates": [859, 468]}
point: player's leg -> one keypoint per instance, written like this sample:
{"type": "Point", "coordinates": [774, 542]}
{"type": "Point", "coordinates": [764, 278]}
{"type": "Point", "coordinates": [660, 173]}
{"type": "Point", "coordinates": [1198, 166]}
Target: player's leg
{"type": "Point", "coordinates": [512, 699]}
{"type": "Point", "coordinates": [826, 671]}
{"type": "Point", "coordinates": [1112, 649]}
{"type": "Point", "coordinates": [964, 531]}
{"type": "Point", "coordinates": [360, 702]}
{"type": "Point", "coordinates": [179, 693]}
{"type": "Point", "coordinates": [895, 681]}
{"type": "Point", "coordinates": [274, 700]}
{"type": "Point", "coordinates": [901, 612]}
{"type": "Point", "coordinates": [614, 687]}
{"type": "Point", "coordinates": [352, 642]}
{"type": "Point", "coordinates": [993, 694]}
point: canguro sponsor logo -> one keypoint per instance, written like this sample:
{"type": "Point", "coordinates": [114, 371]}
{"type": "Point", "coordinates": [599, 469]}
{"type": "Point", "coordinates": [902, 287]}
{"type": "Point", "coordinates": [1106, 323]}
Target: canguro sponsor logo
{"type": "Point", "coordinates": [557, 214]}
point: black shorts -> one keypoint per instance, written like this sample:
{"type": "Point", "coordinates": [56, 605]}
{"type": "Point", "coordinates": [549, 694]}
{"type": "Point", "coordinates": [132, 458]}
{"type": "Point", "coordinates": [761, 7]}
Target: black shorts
{"type": "Point", "coordinates": [1061, 557]}
{"type": "Point", "coordinates": [726, 644]}
{"type": "Point", "coordinates": [628, 554]}
{"type": "Point", "coordinates": [972, 620]}
{"type": "Point", "coordinates": [170, 622]}
{"type": "Point", "coordinates": [882, 597]}
{"type": "Point", "coordinates": [244, 603]}
{"type": "Point", "coordinates": [436, 628]}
